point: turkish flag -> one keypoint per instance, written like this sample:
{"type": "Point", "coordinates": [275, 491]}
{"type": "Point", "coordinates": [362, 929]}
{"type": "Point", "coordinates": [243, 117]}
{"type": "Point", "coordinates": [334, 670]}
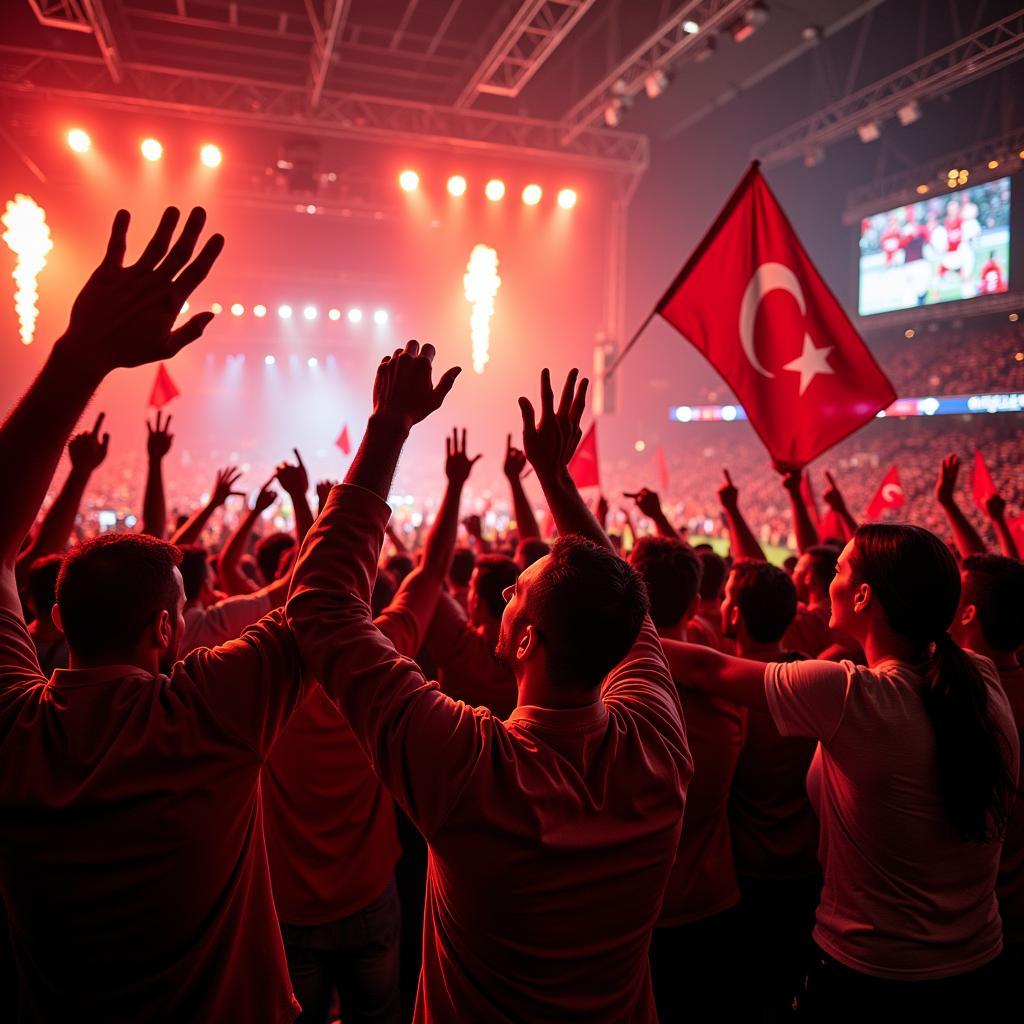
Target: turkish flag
{"type": "Point", "coordinates": [343, 442]}
{"type": "Point", "coordinates": [982, 485]}
{"type": "Point", "coordinates": [583, 465]}
{"type": "Point", "coordinates": [164, 389]}
{"type": "Point", "coordinates": [751, 300]}
{"type": "Point", "coordinates": [889, 495]}
{"type": "Point", "coordinates": [663, 480]}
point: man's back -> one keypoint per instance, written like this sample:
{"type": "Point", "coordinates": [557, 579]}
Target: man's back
{"type": "Point", "coordinates": [131, 837]}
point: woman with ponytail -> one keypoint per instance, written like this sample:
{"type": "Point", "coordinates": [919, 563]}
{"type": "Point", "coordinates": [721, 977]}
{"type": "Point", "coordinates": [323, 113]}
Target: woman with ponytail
{"type": "Point", "coordinates": [913, 782]}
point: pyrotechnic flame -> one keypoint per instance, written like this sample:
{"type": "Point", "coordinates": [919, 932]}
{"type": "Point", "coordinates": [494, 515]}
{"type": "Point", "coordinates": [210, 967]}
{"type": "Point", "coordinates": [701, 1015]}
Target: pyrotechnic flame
{"type": "Point", "coordinates": [28, 237]}
{"type": "Point", "coordinates": [481, 283]}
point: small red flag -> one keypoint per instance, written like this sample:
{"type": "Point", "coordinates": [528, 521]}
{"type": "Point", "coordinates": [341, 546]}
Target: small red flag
{"type": "Point", "coordinates": [889, 495]}
{"type": "Point", "coordinates": [583, 465]}
{"type": "Point", "coordinates": [164, 389]}
{"type": "Point", "coordinates": [807, 491]}
{"type": "Point", "coordinates": [663, 480]}
{"type": "Point", "coordinates": [343, 442]}
{"type": "Point", "coordinates": [752, 301]}
{"type": "Point", "coordinates": [982, 485]}
{"type": "Point", "coordinates": [1016, 526]}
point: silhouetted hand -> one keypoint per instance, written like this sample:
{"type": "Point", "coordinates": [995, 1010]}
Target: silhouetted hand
{"type": "Point", "coordinates": [474, 526]}
{"type": "Point", "coordinates": [602, 509]}
{"type": "Point", "coordinates": [647, 501]}
{"type": "Point", "coordinates": [222, 488]}
{"type": "Point", "coordinates": [832, 496]}
{"type": "Point", "coordinates": [995, 506]}
{"type": "Point", "coordinates": [458, 465]}
{"type": "Point", "coordinates": [323, 491]}
{"type": "Point", "coordinates": [87, 450]}
{"type": "Point", "coordinates": [515, 461]}
{"type": "Point", "coordinates": [265, 498]}
{"type": "Point", "coordinates": [294, 479]}
{"type": "Point", "coordinates": [728, 493]}
{"type": "Point", "coordinates": [403, 389]}
{"type": "Point", "coordinates": [792, 476]}
{"type": "Point", "coordinates": [549, 444]}
{"type": "Point", "coordinates": [124, 316]}
{"type": "Point", "coordinates": [158, 443]}
{"type": "Point", "coordinates": [946, 485]}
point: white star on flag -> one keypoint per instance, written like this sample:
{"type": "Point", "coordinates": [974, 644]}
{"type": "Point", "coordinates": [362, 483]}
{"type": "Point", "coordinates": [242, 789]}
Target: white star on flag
{"type": "Point", "coordinates": [812, 361]}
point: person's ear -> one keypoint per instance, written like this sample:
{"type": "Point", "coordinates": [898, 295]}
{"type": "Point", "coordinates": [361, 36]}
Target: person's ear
{"type": "Point", "coordinates": [529, 644]}
{"type": "Point", "coordinates": [969, 614]}
{"type": "Point", "coordinates": [862, 598]}
{"type": "Point", "coordinates": [55, 617]}
{"type": "Point", "coordinates": [734, 617]}
{"type": "Point", "coordinates": [163, 630]}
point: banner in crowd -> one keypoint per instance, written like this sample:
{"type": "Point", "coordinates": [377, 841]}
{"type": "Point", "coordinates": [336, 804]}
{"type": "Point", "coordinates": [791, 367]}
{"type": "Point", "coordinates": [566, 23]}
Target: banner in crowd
{"type": "Point", "coordinates": [982, 484]}
{"type": "Point", "coordinates": [583, 466]}
{"type": "Point", "coordinates": [343, 442]}
{"type": "Point", "coordinates": [164, 389]}
{"type": "Point", "coordinates": [752, 301]}
{"type": "Point", "coordinates": [889, 495]}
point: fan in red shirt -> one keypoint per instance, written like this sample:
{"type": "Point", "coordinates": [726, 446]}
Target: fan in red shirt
{"type": "Point", "coordinates": [991, 276]}
{"type": "Point", "coordinates": [580, 793]}
{"type": "Point", "coordinates": [132, 861]}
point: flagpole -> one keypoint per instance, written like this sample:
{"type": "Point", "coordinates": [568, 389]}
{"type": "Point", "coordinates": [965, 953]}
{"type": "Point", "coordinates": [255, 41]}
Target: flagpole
{"type": "Point", "coordinates": [632, 341]}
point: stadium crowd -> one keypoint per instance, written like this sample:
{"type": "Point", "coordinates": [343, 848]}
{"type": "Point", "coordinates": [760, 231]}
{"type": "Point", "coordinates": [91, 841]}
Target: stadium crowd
{"type": "Point", "coordinates": [650, 782]}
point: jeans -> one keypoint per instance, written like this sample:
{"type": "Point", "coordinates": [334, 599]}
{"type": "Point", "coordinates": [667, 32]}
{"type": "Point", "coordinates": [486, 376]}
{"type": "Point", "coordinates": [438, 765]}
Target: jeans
{"type": "Point", "coordinates": [357, 956]}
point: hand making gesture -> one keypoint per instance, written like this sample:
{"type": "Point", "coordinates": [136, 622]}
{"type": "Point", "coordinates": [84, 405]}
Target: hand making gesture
{"type": "Point", "coordinates": [158, 443]}
{"type": "Point", "coordinates": [550, 443]}
{"type": "Point", "coordinates": [458, 465]}
{"type": "Point", "coordinates": [88, 449]}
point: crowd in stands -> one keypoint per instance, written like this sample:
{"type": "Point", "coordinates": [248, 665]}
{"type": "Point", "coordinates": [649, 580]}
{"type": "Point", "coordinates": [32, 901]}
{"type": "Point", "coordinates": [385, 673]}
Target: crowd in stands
{"type": "Point", "coordinates": [650, 782]}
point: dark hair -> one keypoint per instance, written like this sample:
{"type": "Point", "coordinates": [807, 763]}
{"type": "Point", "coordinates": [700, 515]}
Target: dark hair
{"type": "Point", "coordinates": [917, 583]}
{"type": "Point", "coordinates": [42, 584]}
{"type": "Point", "coordinates": [587, 605]}
{"type": "Point", "coordinates": [462, 566]}
{"type": "Point", "coordinates": [494, 574]}
{"type": "Point", "coordinates": [995, 586]}
{"type": "Point", "coordinates": [671, 573]}
{"type": "Point", "coordinates": [789, 563]}
{"type": "Point", "coordinates": [712, 576]}
{"type": "Point", "coordinates": [823, 558]}
{"type": "Point", "coordinates": [529, 551]}
{"type": "Point", "coordinates": [399, 566]}
{"type": "Point", "coordinates": [766, 598]}
{"type": "Point", "coordinates": [111, 588]}
{"type": "Point", "coordinates": [268, 554]}
{"type": "Point", "coordinates": [384, 589]}
{"type": "Point", "coordinates": [194, 569]}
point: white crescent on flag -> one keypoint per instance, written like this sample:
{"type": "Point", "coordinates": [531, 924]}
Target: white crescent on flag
{"type": "Point", "coordinates": [891, 493]}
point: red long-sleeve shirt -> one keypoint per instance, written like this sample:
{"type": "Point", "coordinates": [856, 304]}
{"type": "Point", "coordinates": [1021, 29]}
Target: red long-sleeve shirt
{"type": "Point", "coordinates": [551, 836]}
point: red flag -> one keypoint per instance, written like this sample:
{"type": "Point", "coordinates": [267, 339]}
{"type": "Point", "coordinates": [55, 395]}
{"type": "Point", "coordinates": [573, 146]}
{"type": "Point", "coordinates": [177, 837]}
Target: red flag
{"type": "Point", "coordinates": [163, 389]}
{"type": "Point", "coordinates": [1016, 526]}
{"type": "Point", "coordinates": [982, 485]}
{"type": "Point", "coordinates": [832, 527]}
{"type": "Point", "coordinates": [807, 491]}
{"type": "Point", "coordinates": [889, 495]}
{"type": "Point", "coordinates": [752, 301]}
{"type": "Point", "coordinates": [662, 469]}
{"type": "Point", "coordinates": [583, 465]}
{"type": "Point", "coordinates": [343, 442]}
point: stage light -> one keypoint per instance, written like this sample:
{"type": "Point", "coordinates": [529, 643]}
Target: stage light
{"type": "Point", "coordinates": [309, 312]}
{"type": "Point", "coordinates": [284, 312]}
{"type": "Point", "coordinates": [691, 28]}
{"type": "Point", "coordinates": [210, 155]}
{"type": "Point", "coordinates": [216, 308]}
{"type": "Point", "coordinates": [456, 185]}
{"type": "Point", "coordinates": [655, 83]}
{"type": "Point", "coordinates": [311, 208]}
{"type": "Point", "coordinates": [909, 113]}
{"type": "Point", "coordinates": [28, 237]}
{"type": "Point", "coordinates": [922, 190]}
{"type": "Point", "coordinates": [311, 361]}
{"type": "Point", "coordinates": [532, 194]}
{"type": "Point", "coordinates": [613, 114]}
{"type": "Point", "coordinates": [993, 164]}
{"type": "Point", "coordinates": [269, 360]}
{"type": "Point", "coordinates": [481, 284]}
{"type": "Point", "coordinates": [813, 156]}
{"type": "Point", "coordinates": [79, 141]}
{"type": "Point", "coordinates": [1019, 356]}
{"type": "Point", "coordinates": [355, 315]}
{"type": "Point", "coordinates": [750, 21]}
{"type": "Point", "coordinates": [1014, 317]}
{"type": "Point", "coordinates": [639, 446]}
{"type": "Point", "coordinates": [870, 131]}
{"type": "Point", "coordinates": [237, 309]}
{"type": "Point", "coordinates": [334, 314]}
{"type": "Point", "coordinates": [380, 317]}
{"type": "Point", "coordinates": [259, 310]}
{"type": "Point", "coordinates": [567, 198]}
{"type": "Point", "coordinates": [495, 190]}
{"type": "Point", "coordinates": [409, 180]}
{"type": "Point", "coordinates": [152, 149]}
{"type": "Point", "coordinates": [909, 332]}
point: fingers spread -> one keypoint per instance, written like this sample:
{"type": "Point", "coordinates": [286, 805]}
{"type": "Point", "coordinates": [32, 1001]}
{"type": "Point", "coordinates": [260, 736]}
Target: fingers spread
{"type": "Point", "coordinates": [161, 239]}
{"type": "Point", "coordinates": [118, 241]}
{"type": "Point", "coordinates": [182, 250]}
{"type": "Point", "coordinates": [195, 273]}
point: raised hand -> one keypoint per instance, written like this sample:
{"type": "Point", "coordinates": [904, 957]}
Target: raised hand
{"type": "Point", "coordinates": [602, 510]}
{"type": "Point", "coordinates": [88, 449]}
{"type": "Point", "coordinates": [294, 479]}
{"type": "Point", "coordinates": [515, 461]}
{"type": "Point", "coordinates": [158, 443]}
{"type": "Point", "coordinates": [728, 492]}
{"type": "Point", "coordinates": [647, 501]}
{"type": "Point", "coordinates": [323, 491]}
{"type": "Point", "coordinates": [224, 484]}
{"type": "Point", "coordinates": [403, 389]}
{"type": "Point", "coordinates": [945, 487]}
{"type": "Point", "coordinates": [832, 496]}
{"type": "Point", "coordinates": [266, 497]}
{"type": "Point", "coordinates": [124, 316]}
{"type": "Point", "coordinates": [792, 476]}
{"type": "Point", "coordinates": [995, 506]}
{"type": "Point", "coordinates": [474, 526]}
{"type": "Point", "coordinates": [549, 444]}
{"type": "Point", "coordinates": [458, 465]}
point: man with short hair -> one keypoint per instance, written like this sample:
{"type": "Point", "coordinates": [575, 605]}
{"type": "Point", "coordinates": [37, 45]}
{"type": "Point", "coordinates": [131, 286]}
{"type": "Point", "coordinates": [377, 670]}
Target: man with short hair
{"type": "Point", "coordinates": [51, 648]}
{"type": "Point", "coordinates": [705, 625]}
{"type": "Point", "coordinates": [552, 835]}
{"type": "Point", "coordinates": [132, 860]}
{"type": "Point", "coordinates": [810, 634]}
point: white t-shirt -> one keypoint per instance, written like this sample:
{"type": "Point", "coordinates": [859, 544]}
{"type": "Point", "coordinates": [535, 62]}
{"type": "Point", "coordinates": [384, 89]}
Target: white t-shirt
{"type": "Point", "coordinates": [903, 897]}
{"type": "Point", "coordinates": [223, 621]}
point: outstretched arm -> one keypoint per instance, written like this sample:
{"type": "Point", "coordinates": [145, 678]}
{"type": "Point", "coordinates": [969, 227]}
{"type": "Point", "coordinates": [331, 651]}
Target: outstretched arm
{"type": "Point", "coordinates": [526, 521]}
{"type": "Point", "coordinates": [995, 508]}
{"type": "Point", "coordinates": [833, 497]}
{"type": "Point", "coordinates": [122, 317]}
{"type": "Point", "coordinates": [191, 530]}
{"type": "Point", "coordinates": [231, 577]}
{"type": "Point", "coordinates": [154, 504]}
{"type": "Point", "coordinates": [549, 445]}
{"type": "Point", "coordinates": [697, 667]}
{"type": "Point", "coordinates": [650, 505]}
{"type": "Point", "coordinates": [742, 542]}
{"type": "Point", "coordinates": [295, 481]}
{"type": "Point", "coordinates": [967, 538]}
{"type": "Point", "coordinates": [803, 527]}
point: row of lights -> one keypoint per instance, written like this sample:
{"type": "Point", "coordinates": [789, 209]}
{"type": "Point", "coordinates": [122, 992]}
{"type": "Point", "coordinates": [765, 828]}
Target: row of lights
{"type": "Point", "coordinates": [957, 177]}
{"type": "Point", "coordinates": [286, 312]}
{"type": "Point", "coordinates": [409, 181]}
{"type": "Point", "coordinates": [152, 149]}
